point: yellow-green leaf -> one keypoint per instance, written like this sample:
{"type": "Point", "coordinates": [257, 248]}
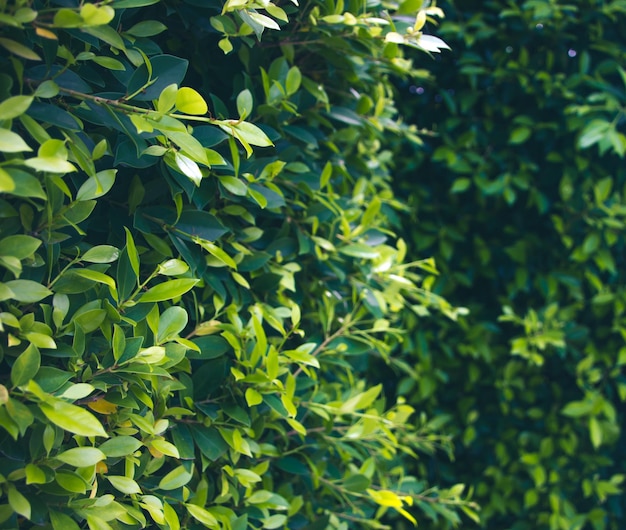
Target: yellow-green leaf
{"type": "Point", "coordinates": [72, 418]}
{"type": "Point", "coordinates": [190, 101]}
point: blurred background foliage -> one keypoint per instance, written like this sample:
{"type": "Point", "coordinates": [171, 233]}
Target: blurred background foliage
{"type": "Point", "coordinates": [520, 195]}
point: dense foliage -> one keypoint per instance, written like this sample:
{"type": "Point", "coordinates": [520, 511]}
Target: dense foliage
{"type": "Point", "coordinates": [520, 196]}
{"type": "Point", "coordinates": [199, 257]}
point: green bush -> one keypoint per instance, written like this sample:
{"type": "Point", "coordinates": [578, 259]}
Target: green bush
{"type": "Point", "coordinates": [199, 257]}
{"type": "Point", "coordinates": [520, 197]}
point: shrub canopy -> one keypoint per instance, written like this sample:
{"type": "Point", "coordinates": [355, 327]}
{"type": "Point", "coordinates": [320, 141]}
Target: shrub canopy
{"type": "Point", "coordinates": [520, 199]}
{"type": "Point", "coordinates": [199, 256]}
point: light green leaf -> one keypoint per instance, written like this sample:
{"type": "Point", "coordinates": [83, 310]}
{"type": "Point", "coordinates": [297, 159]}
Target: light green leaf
{"type": "Point", "coordinates": [81, 456]}
{"type": "Point", "coordinates": [7, 184]}
{"type": "Point", "coordinates": [109, 63]}
{"type": "Point", "coordinates": [360, 250]}
{"type": "Point", "coordinates": [244, 104]}
{"type": "Point", "coordinates": [293, 81]}
{"type": "Point", "coordinates": [216, 252]}
{"type": "Point", "coordinates": [72, 418]}
{"type": "Point", "coordinates": [100, 254]}
{"type": "Point", "coordinates": [189, 101]}
{"type": "Point", "coordinates": [50, 164]}
{"type": "Point", "coordinates": [19, 49]}
{"type": "Point", "coordinates": [19, 246]}
{"type": "Point", "coordinates": [120, 446]}
{"type": "Point", "coordinates": [27, 291]}
{"type": "Point", "coordinates": [171, 323]}
{"type": "Point", "coordinates": [14, 106]}
{"type": "Point", "coordinates": [35, 475]}
{"type": "Point", "coordinates": [93, 15]}
{"type": "Point", "coordinates": [168, 290]}
{"type": "Point", "coordinates": [253, 397]}
{"type": "Point", "coordinates": [18, 502]}
{"type": "Point", "coordinates": [26, 366]}
{"type": "Point", "coordinates": [124, 484]}
{"type": "Point", "coordinates": [234, 185]}
{"type": "Point", "coordinates": [165, 447]}
{"type": "Point", "coordinates": [167, 98]}
{"type": "Point", "coordinates": [97, 185]}
{"type": "Point", "coordinates": [576, 409]}
{"type": "Point", "coordinates": [176, 478]}
{"type": "Point", "coordinates": [251, 134]}
{"type": "Point", "coordinates": [202, 515]}
{"type": "Point", "coordinates": [274, 521]}
{"type": "Point", "coordinates": [147, 28]}
{"type": "Point", "coordinates": [11, 142]}
{"type": "Point", "coordinates": [520, 135]}
{"type": "Point", "coordinates": [173, 267]}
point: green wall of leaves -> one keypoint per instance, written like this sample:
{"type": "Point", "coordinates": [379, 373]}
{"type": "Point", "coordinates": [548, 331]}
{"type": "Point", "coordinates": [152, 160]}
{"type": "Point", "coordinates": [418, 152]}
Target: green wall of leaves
{"type": "Point", "coordinates": [199, 256]}
{"type": "Point", "coordinates": [520, 196]}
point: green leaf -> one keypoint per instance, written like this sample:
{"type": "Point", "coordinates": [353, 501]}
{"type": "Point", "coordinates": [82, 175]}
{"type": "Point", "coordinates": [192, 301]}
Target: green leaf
{"type": "Point", "coordinates": [19, 49]}
{"type": "Point", "coordinates": [50, 164]}
{"type": "Point", "coordinates": [94, 15]}
{"type": "Point", "coordinates": [171, 323]}
{"type": "Point", "coordinates": [176, 478]}
{"type": "Point", "coordinates": [19, 246]}
{"type": "Point", "coordinates": [173, 267]}
{"type": "Point", "coordinates": [81, 456]}
{"type": "Point", "coordinates": [202, 515]}
{"type": "Point", "coordinates": [593, 133]}
{"type": "Point", "coordinates": [97, 185]}
{"type": "Point", "coordinates": [27, 291]}
{"type": "Point", "coordinates": [189, 101]}
{"type": "Point", "coordinates": [18, 502]}
{"type": "Point", "coordinates": [360, 250]}
{"type": "Point", "coordinates": [25, 185]}
{"type": "Point", "coordinates": [167, 98]}
{"type": "Point", "coordinates": [244, 104]}
{"type": "Point", "coordinates": [216, 252]}
{"type": "Point", "coordinates": [25, 366]}
{"type": "Point", "coordinates": [253, 397]}
{"type": "Point", "coordinates": [168, 290]}
{"type": "Point", "coordinates": [99, 254]}
{"type": "Point", "coordinates": [14, 106]}
{"type": "Point", "coordinates": [357, 483]}
{"type": "Point", "coordinates": [520, 135]}
{"type": "Point", "coordinates": [274, 521]}
{"type": "Point", "coordinates": [188, 168]}
{"type": "Point", "coordinates": [11, 142]}
{"type": "Point", "coordinates": [234, 185]}
{"type": "Point", "coordinates": [72, 418]}
{"type": "Point", "coordinates": [595, 432]}
{"type": "Point", "coordinates": [146, 28]}
{"type": "Point", "coordinates": [293, 81]}
{"type": "Point", "coordinates": [7, 184]}
{"type": "Point", "coordinates": [60, 521]}
{"type": "Point", "coordinates": [131, 251]}
{"type": "Point", "coordinates": [165, 447]}
{"type": "Point", "coordinates": [124, 484]}
{"type": "Point", "coordinates": [35, 475]}
{"type": "Point", "coordinates": [576, 409]}
{"type": "Point", "coordinates": [250, 133]}
{"type": "Point", "coordinates": [120, 446]}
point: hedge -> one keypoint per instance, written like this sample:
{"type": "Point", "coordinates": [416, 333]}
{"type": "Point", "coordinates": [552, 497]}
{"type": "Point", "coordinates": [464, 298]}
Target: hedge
{"type": "Point", "coordinates": [200, 257]}
{"type": "Point", "coordinates": [519, 196]}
